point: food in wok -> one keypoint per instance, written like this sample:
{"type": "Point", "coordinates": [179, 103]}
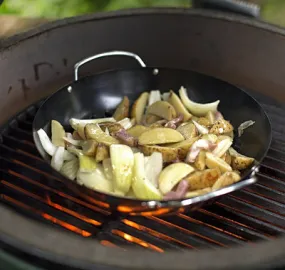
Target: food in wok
{"type": "Point", "coordinates": [161, 147]}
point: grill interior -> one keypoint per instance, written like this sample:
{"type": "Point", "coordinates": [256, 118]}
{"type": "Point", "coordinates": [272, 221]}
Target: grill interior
{"type": "Point", "coordinates": [253, 214]}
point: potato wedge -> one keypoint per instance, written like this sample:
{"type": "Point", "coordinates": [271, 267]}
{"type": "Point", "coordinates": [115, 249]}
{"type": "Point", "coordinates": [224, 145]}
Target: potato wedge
{"type": "Point", "coordinates": [183, 146]}
{"type": "Point", "coordinates": [241, 162]}
{"type": "Point", "coordinates": [172, 175]}
{"type": "Point", "coordinates": [203, 179]}
{"type": "Point", "coordinates": [113, 127]}
{"type": "Point", "coordinates": [122, 110]}
{"type": "Point", "coordinates": [216, 162]}
{"type": "Point", "coordinates": [160, 136]}
{"type": "Point", "coordinates": [162, 109]}
{"type": "Point", "coordinates": [200, 162]}
{"type": "Point", "coordinates": [151, 119]}
{"type": "Point", "coordinates": [137, 130]}
{"type": "Point", "coordinates": [89, 148]}
{"type": "Point", "coordinates": [226, 179]}
{"type": "Point", "coordinates": [175, 101]}
{"type": "Point", "coordinates": [139, 106]}
{"type": "Point", "coordinates": [222, 146]}
{"type": "Point", "coordinates": [168, 154]}
{"type": "Point", "coordinates": [197, 192]}
{"type": "Point", "coordinates": [204, 121]}
{"type": "Point", "coordinates": [221, 126]}
{"type": "Point", "coordinates": [57, 133]}
{"type": "Point", "coordinates": [188, 130]}
{"type": "Point", "coordinates": [93, 131]}
{"type": "Point", "coordinates": [102, 152]}
{"type": "Point", "coordinates": [227, 157]}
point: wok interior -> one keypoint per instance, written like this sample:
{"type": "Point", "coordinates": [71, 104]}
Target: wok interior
{"type": "Point", "coordinates": [98, 96]}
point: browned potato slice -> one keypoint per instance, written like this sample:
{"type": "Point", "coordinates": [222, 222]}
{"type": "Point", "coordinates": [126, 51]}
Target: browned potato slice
{"type": "Point", "coordinates": [137, 130]}
{"type": "Point", "coordinates": [160, 136]}
{"type": "Point", "coordinates": [204, 121]}
{"type": "Point", "coordinates": [122, 110]}
{"type": "Point", "coordinates": [93, 131]}
{"type": "Point", "coordinates": [150, 119]}
{"type": "Point", "coordinates": [113, 127]}
{"type": "Point", "coordinates": [230, 134]}
{"type": "Point", "coordinates": [226, 179]}
{"type": "Point", "coordinates": [203, 179]}
{"type": "Point", "coordinates": [241, 162]}
{"type": "Point", "coordinates": [227, 158]}
{"type": "Point", "coordinates": [168, 154]}
{"type": "Point", "coordinates": [211, 117]}
{"type": "Point", "coordinates": [138, 107]}
{"type": "Point", "coordinates": [89, 147]}
{"type": "Point", "coordinates": [81, 131]}
{"type": "Point", "coordinates": [102, 152]}
{"type": "Point", "coordinates": [183, 146]}
{"type": "Point", "coordinates": [197, 193]}
{"type": "Point", "coordinates": [175, 101]}
{"type": "Point", "coordinates": [216, 162]}
{"type": "Point", "coordinates": [188, 130]}
{"type": "Point", "coordinates": [221, 126]}
{"type": "Point", "coordinates": [200, 162]}
{"type": "Point", "coordinates": [57, 133]}
{"type": "Point", "coordinates": [162, 109]}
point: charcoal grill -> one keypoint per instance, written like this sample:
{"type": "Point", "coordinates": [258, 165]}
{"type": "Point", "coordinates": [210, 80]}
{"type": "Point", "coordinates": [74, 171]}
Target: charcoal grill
{"type": "Point", "coordinates": [44, 224]}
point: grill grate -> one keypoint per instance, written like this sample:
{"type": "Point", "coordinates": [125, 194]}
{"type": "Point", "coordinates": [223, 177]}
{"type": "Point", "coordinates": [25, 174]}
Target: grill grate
{"type": "Point", "coordinates": [253, 214]}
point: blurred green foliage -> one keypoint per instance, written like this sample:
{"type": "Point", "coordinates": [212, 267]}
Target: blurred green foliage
{"type": "Point", "coordinates": [67, 8]}
{"type": "Point", "coordinates": [271, 10]}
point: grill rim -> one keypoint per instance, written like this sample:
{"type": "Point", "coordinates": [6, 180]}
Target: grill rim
{"type": "Point", "coordinates": [44, 241]}
{"type": "Point", "coordinates": [219, 15]}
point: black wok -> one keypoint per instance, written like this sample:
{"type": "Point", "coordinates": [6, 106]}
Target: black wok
{"type": "Point", "coordinates": [97, 96]}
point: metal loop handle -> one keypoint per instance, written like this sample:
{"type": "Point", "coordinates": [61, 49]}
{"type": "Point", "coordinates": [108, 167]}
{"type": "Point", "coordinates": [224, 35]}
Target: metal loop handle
{"type": "Point", "coordinates": [105, 54]}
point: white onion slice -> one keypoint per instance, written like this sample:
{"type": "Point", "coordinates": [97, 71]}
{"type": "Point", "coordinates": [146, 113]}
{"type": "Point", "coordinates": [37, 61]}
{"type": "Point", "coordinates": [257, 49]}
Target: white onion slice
{"type": "Point", "coordinates": [48, 146]}
{"type": "Point", "coordinates": [153, 167]}
{"type": "Point", "coordinates": [244, 126]}
{"type": "Point", "coordinates": [57, 158]}
{"type": "Point", "coordinates": [154, 96]}
{"type": "Point", "coordinates": [126, 123]}
{"type": "Point", "coordinates": [201, 129]}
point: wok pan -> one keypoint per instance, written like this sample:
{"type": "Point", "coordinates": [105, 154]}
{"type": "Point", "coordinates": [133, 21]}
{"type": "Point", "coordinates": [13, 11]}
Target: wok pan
{"type": "Point", "coordinates": [98, 95]}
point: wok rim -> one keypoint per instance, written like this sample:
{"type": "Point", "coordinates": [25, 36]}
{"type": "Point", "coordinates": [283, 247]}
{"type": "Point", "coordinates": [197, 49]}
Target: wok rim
{"type": "Point", "coordinates": [158, 204]}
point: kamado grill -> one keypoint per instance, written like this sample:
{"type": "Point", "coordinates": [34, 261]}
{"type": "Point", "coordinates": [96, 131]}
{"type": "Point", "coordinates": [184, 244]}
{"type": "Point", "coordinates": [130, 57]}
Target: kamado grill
{"type": "Point", "coordinates": [44, 225]}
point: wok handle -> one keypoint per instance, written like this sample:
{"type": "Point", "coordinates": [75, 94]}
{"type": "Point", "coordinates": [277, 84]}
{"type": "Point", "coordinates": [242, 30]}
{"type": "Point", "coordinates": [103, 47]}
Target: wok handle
{"type": "Point", "coordinates": [106, 54]}
{"type": "Point", "coordinates": [234, 6]}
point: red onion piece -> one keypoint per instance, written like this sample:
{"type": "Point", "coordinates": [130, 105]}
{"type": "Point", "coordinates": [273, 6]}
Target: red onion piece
{"type": "Point", "coordinates": [218, 116]}
{"type": "Point", "coordinates": [180, 192]}
{"type": "Point", "coordinates": [175, 122]}
{"type": "Point", "coordinates": [126, 138]}
{"type": "Point", "coordinates": [197, 147]}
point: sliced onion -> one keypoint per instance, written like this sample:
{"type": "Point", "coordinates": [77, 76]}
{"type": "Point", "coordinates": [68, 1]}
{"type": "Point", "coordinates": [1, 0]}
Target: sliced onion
{"type": "Point", "coordinates": [222, 147]}
{"type": "Point", "coordinates": [244, 126]}
{"type": "Point", "coordinates": [108, 170]}
{"type": "Point", "coordinates": [154, 96]}
{"type": "Point", "coordinates": [180, 192]}
{"type": "Point", "coordinates": [126, 123]}
{"type": "Point", "coordinates": [107, 131]}
{"type": "Point", "coordinates": [70, 140]}
{"type": "Point", "coordinates": [153, 167]}
{"type": "Point", "coordinates": [68, 156]}
{"type": "Point", "coordinates": [46, 142]}
{"type": "Point", "coordinates": [70, 168]}
{"type": "Point", "coordinates": [95, 180]}
{"type": "Point", "coordinates": [165, 96]}
{"type": "Point", "coordinates": [74, 122]}
{"type": "Point", "coordinates": [201, 129]}
{"type": "Point", "coordinates": [196, 147]}
{"type": "Point", "coordinates": [197, 109]}
{"type": "Point", "coordinates": [57, 158]}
